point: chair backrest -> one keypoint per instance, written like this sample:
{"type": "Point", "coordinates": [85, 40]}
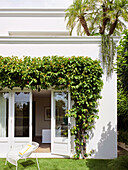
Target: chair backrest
{"type": "Point", "coordinates": [35, 144]}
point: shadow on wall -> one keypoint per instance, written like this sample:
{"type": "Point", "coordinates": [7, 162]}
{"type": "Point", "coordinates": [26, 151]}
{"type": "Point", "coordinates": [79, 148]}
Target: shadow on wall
{"type": "Point", "coordinates": [107, 146]}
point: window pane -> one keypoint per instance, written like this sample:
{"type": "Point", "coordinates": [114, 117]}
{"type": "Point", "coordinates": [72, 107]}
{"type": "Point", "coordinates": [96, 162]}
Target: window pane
{"type": "Point", "coordinates": [22, 101]}
{"type": "Point", "coordinates": [61, 122]}
{"type": "Point", "coordinates": [4, 103]}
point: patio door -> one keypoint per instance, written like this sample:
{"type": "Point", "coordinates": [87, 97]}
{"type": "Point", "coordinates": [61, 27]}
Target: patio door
{"type": "Point", "coordinates": [60, 125]}
{"type": "Point", "coordinates": [22, 118]}
{"type": "Point", "coordinates": [5, 121]}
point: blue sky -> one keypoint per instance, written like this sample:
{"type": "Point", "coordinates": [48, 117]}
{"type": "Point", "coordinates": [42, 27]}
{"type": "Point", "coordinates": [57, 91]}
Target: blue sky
{"type": "Point", "coordinates": [35, 3]}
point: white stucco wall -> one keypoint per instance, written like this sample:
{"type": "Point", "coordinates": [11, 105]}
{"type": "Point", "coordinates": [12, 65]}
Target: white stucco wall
{"type": "Point", "coordinates": [31, 24]}
{"type": "Point", "coordinates": [104, 136]}
{"type": "Point", "coordinates": [37, 3]}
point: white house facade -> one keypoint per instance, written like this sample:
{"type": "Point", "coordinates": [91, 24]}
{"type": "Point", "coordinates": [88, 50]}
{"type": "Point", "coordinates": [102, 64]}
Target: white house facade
{"type": "Point", "coordinates": [28, 115]}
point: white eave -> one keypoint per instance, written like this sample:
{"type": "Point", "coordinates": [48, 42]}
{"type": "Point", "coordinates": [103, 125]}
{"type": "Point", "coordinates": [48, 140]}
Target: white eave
{"type": "Point", "coordinates": [32, 12]}
{"type": "Point", "coordinates": [53, 40]}
{"type": "Point", "coordinates": [38, 33]}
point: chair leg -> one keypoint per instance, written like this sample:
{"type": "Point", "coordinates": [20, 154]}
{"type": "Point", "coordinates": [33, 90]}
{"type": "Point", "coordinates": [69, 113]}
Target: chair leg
{"type": "Point", "coordinates": [6, 162]}
{"type": "Point", "coordinates": [16, 165]}
{"type": "Point", "coordinates": [37, 162]}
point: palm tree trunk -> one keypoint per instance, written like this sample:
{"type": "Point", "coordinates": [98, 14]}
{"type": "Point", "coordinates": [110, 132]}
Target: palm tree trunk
{"type": "Point", "coordinates": [84, 24]}
{"type": "Point", "coordinates": [113, 26]}
{"type": "Point", "coordinates": [105, 19]}
{"type": "Point", "coordinates": [102, 29]}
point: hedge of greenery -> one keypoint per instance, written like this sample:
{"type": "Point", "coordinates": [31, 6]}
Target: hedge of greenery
{"type": "Point", "coordinates": [123, 136]}
{"type": "Point", "coordinates": [81, 75]}
{"type": "Point", "coordinates": [122, 61]}
{"type": "Point", "coordinates": [122, 98]}
{"type": "Point", "coordinates": [122, 74]}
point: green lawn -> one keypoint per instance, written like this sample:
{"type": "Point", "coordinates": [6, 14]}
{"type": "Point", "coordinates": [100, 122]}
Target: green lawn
{"type": "Point", "coordinates": [68, 164]}
{"type": "Point", "coordinates": [57, 164]}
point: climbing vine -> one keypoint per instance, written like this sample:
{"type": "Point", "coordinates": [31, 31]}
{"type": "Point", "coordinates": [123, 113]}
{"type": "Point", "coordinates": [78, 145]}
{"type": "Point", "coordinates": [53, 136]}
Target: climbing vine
{"type": "Point", "coordinates": [81, 75]}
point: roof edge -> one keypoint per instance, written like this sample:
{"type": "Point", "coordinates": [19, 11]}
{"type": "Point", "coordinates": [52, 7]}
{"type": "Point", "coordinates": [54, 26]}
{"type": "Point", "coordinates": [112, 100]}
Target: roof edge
{"type": "Point", "coordinates": [32, 12]}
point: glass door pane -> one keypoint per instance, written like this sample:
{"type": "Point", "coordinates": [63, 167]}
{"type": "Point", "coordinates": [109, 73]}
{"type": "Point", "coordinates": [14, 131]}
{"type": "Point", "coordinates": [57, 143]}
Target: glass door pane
{"type": "Point", "coordinates": [4, 104]}
{"type": "Point", "coordinates": [60, 107]}
{"type": "Point", "coordinates": [22, 104]}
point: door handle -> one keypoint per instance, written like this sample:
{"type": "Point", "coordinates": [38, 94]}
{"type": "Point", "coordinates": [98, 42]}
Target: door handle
{"type": "Point", "coordinates": [69, 124]}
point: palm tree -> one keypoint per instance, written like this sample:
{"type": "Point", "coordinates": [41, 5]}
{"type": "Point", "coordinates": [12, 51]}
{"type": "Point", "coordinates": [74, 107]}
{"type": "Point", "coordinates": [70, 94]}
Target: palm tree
{"type": "Point", "coordinates": [97, 17]}
{"type": "Point", "coordinates": [76, 15]}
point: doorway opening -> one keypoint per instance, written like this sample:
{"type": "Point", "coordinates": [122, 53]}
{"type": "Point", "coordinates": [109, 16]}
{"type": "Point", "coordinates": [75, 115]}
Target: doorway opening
{"type": "Point", "coordinates": [41, 126]}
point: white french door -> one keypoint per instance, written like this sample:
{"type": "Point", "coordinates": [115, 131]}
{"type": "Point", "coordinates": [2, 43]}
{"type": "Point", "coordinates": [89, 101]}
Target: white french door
{"type": "Point", "coordinates": [15, 119]}
{"type": "Point", "coordinates": [5, 122]}
{"type": "Point", "coordinates": [21, 117]}
{"type": "Point", "coordinates": [60, 125]}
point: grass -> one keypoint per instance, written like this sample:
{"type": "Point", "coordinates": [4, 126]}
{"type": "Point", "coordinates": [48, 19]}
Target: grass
{"type": "Point", "coordinates": [57, 164]}
{"type": "Point", "coordinates": [120, 163]}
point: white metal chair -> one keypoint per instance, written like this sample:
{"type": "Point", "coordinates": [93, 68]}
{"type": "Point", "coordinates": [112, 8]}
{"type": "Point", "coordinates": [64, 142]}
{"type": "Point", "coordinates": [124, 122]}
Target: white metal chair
{"type": "Point", "coordinates": [15, 154]}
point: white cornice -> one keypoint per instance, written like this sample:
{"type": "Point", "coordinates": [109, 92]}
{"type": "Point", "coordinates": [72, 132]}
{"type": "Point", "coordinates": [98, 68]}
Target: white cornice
{"type": "Point", "coordinates": [53, 40]}
{"type": "Point", "coordinates": [38, 33]}
{"type": "Point", "coordinates": [32, 9]}
{"type": "Point", "coordinates": [32, 12]}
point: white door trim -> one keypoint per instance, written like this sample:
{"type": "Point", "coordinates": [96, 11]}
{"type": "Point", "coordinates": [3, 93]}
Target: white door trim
{"type": "Point", "coordinates": [30, 118]}
{"type": "Point", "coordinates": [52, 121]}
{"type": "Point", "coordinates": [69, 124]}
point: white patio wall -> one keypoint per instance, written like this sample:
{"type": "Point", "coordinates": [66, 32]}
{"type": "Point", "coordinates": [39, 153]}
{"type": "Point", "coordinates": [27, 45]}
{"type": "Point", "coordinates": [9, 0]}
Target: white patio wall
{"type": "Point", "coordinates": [31, 24]}
{"type": "Point", "coordinates": [104, 137]}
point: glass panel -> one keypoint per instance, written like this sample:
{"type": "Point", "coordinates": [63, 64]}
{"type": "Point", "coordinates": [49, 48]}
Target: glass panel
{"type": "Point", "coordinates": [22, 101]}
{"type": "Point", "coordinates": [61, 122]}
{"type": "Point", "coordinates": [4, 104]}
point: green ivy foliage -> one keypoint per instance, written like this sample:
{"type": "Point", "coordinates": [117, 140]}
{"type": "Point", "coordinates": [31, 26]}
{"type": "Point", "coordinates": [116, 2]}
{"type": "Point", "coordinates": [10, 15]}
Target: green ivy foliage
{"type": "Point", "coordinates": [81, 75]}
